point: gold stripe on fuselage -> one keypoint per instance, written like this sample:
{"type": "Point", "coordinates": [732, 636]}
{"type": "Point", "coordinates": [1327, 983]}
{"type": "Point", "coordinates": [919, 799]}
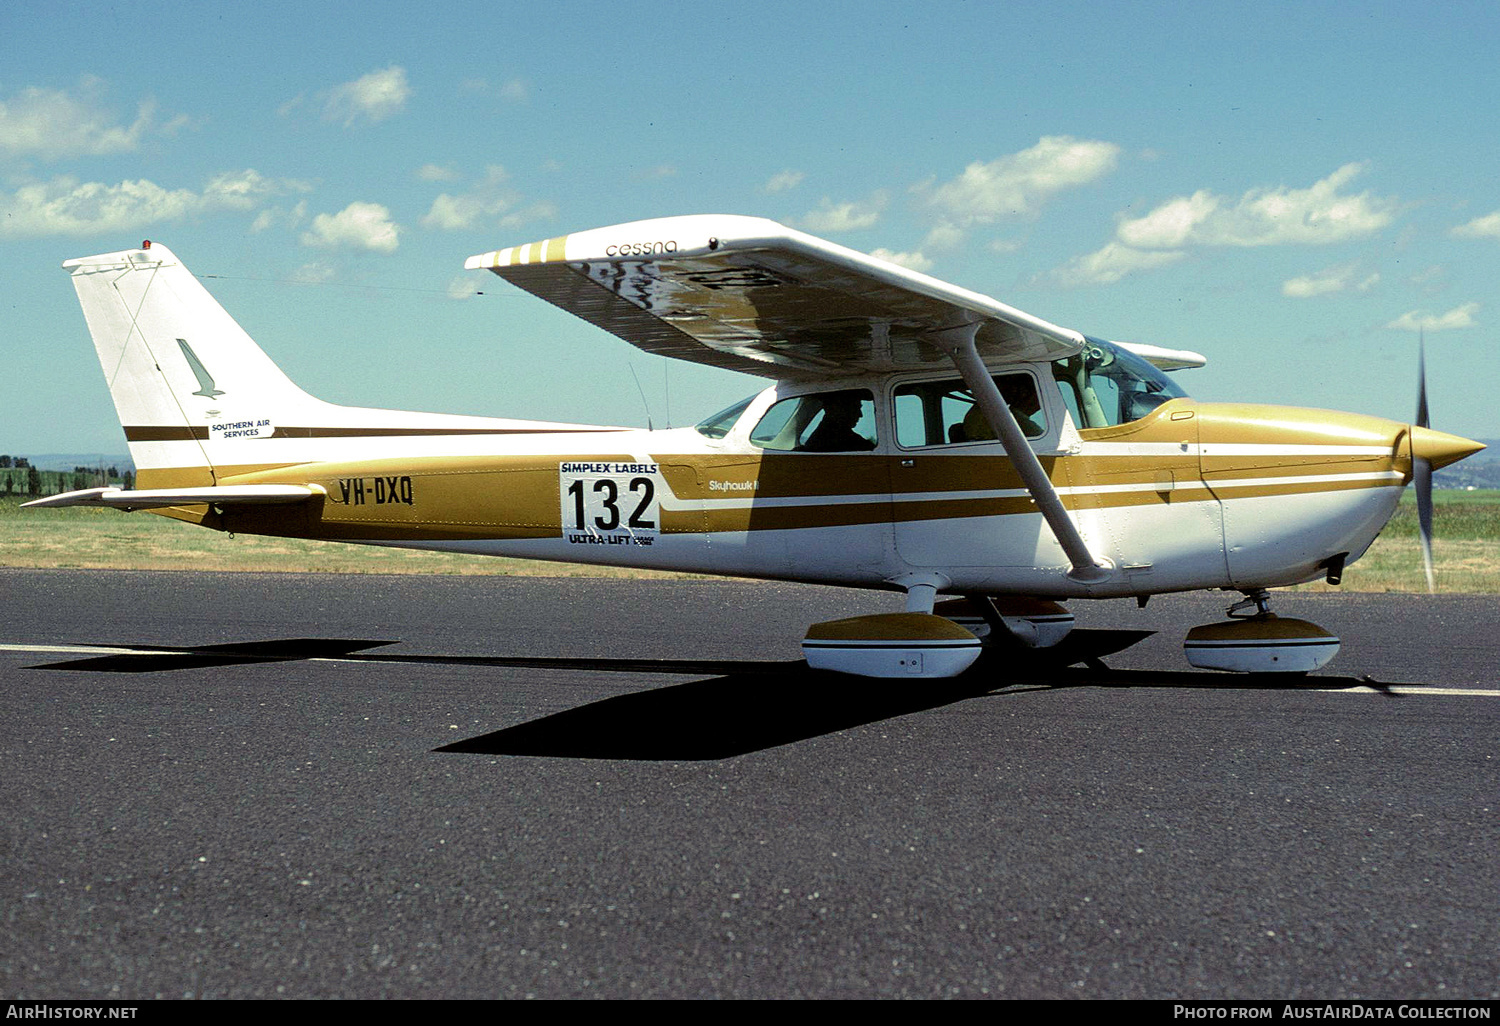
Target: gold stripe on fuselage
{"type": "Point", "coordinates": [519, 497]}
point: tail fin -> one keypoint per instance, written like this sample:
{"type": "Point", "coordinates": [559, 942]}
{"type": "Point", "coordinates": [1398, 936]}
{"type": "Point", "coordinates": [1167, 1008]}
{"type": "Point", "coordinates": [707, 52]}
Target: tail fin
{"type": "Point", "coordinates": [182, 373]}
{"type": "Point", "coordinates": [203, 406]}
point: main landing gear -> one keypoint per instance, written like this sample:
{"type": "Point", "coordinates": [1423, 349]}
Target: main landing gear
{"type": "Point", "coordinates": [932, 639]}
{"type": "Point", "coordinates": [1256, 640]}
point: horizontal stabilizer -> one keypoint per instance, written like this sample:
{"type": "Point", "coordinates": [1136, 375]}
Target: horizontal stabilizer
{"type": "Point", "coordinates": [161, 498]}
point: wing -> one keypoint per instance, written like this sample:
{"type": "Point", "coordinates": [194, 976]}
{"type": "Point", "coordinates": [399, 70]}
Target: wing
{"type": "Point", "coordinates": [751, 295]}
{"type": "Point", "coordinates": [1165, 359]}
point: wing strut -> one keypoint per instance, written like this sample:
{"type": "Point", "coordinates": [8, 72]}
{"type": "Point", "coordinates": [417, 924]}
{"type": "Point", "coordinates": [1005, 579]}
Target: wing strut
{"type": "Point", "coordinates": [958, 342]}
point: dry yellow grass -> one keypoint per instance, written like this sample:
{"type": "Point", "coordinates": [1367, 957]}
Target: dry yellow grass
{"type": "Point", "coordinates": [107, 539]}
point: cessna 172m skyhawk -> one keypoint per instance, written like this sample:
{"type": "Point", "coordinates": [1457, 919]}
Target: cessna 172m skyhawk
{"type": "Point", "coordinates": [918, 437]}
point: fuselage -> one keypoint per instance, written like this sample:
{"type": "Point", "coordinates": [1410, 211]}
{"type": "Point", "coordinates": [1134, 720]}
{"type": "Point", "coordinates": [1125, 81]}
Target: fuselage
{"type": "Point", "coordinates": [1190, 495]}
{"type": "Point", "coordinates": [919, 437]}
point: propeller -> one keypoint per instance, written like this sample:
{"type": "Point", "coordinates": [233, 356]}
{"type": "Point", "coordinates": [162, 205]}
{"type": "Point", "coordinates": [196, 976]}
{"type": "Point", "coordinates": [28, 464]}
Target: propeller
{"type": "Point", "coordinates": [1430, 450]}
{"type": "Point", "coordinates": [1421, 469]}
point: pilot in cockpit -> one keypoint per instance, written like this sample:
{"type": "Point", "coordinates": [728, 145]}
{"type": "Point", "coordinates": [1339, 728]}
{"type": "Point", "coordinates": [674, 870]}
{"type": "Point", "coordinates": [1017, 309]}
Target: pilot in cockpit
{"type": "Point", "coordinates": [835, 433]}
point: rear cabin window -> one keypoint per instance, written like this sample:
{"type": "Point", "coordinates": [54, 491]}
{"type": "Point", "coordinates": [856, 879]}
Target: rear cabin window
{"type": "Point", "coordinates": [945, 413]}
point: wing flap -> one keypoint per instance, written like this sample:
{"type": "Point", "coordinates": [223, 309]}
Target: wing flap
{"type": "Point", "coordinates": [162, 498]}
{"type": "Point", "coordinates": [751, 295]}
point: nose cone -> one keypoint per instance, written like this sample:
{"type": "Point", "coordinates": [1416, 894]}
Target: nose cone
{"type": "Point", "coordinates": [1439, 448]}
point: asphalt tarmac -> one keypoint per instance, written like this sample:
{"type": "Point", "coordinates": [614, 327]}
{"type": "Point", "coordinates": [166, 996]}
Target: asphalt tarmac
{"type": "Point", "coordinates": [240, 785]}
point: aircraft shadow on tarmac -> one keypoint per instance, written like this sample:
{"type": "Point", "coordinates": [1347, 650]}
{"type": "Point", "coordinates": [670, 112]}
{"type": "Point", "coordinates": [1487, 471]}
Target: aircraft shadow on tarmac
{"type": "Point", "coordinates": [741, 706]}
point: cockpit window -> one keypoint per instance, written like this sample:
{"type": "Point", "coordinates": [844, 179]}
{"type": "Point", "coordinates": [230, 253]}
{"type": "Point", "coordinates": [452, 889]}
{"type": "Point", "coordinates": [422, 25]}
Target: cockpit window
{"type": "Point", "coordinates": [721, 423]}
{"type": "Point", "coordinates": [842, 421]}
{"type": "Point", "coordinates": [1105, 385]}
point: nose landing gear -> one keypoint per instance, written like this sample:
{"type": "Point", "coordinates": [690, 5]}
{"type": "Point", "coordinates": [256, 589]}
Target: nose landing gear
{"type": "Point", "coordinates": [1256, 640]}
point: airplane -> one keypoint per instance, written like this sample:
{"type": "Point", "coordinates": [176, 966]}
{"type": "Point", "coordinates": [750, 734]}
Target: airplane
{"type": "Point", "coordinates": [916, 437]}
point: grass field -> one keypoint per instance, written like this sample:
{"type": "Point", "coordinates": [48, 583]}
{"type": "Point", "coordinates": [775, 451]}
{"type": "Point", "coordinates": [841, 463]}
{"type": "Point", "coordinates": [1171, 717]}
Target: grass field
{"type": "Point", "coordinates": [1467, 551]}
{"type": "Point", "coordinates": [80, 537]}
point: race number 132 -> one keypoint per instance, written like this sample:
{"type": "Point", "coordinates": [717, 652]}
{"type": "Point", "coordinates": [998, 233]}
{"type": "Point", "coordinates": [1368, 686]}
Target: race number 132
{"type": "Point", "coordinates": [610, 503]}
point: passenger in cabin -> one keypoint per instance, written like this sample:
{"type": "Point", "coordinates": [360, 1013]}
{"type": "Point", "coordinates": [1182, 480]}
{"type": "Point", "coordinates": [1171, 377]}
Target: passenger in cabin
{"type": "Point", "coordinates": [1020, 395]}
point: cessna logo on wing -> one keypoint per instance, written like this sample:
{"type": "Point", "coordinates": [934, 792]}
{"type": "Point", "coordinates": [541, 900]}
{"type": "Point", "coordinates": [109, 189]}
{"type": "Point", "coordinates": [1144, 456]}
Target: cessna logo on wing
{"type": "Point", "coordinates": [641, 248]}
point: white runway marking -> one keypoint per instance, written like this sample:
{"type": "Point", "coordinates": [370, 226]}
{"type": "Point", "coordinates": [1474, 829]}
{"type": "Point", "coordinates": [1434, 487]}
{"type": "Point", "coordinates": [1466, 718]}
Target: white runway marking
{"type": "Point", "coordinates": [1398, 689]}
{"type": "Point", "coordinates": [72, 649]}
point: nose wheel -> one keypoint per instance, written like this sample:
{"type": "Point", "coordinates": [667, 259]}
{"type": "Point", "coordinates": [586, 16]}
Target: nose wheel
{"type": "Point", "coordinates": [1256, 640]}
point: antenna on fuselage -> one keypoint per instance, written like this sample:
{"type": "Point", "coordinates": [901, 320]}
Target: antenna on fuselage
{"type": "Point", "coordinates": [642, 391]}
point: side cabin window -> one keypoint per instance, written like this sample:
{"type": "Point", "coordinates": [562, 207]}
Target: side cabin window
{"type": "Point", "coordinates": [842, 421]}
{"type": "Point", "coordinates": [1105, 385]}
{"type": "Point", "coordinates": [945, 413]}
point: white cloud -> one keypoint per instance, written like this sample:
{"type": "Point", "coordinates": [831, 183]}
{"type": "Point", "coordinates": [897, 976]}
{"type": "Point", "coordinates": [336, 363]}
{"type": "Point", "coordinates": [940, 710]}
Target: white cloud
{"type": "Point", "coordinates": [844, 217]}
{"type": "Point", "coordinates": [66, 206]}
{"type": "Point", "coordinates": [1170, 225]}
{"type": "Point", "coordinates": [374, 97]}
{"type": "Point", "coordinates": [516, 91]}
{"type": "Point", "coordinates": [436, 173]}
{"type": "Point", "coordinates": [783, 181]}
{"type": "Point", "coordinates": [54, 123]}
{"type": "Point", "coordinates": [357, 226]}
{"type": "Point", "coordinates": [1109, 264]}
{"type": "Point", "coordinates": [314, 273]}
{"type": "Point", "coordinates": [243, 190]}
{"type": "Point", "coordinates": [1017, 185]}
{"type": "Point", "coordinates": [272, 216]}
{"type": "Point", "coordinates": [1458, 317]}
{"type": "Point", "coordinates": [491, 197]}
{"type": "Point", "coordinates": [1486, 227]}
{"type": "Point", "coordinates": [915, 261]}
{"type": "Point", "coordinates": [1326, 281]}
{"type": "Point", "coordinates": [1317, 215]}
{"type": "Point", "coordinates": [943, 236]}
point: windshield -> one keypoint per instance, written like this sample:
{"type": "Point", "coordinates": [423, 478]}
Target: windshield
{"type": "Point", "coordinates": [1105, 385]}
{"type": "Point", "coordinates": [721, 423]}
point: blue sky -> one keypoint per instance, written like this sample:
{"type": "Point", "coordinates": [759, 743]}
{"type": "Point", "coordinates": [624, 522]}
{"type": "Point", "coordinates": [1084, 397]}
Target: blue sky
{"type": "Point", "coordinates": [1291, 189]}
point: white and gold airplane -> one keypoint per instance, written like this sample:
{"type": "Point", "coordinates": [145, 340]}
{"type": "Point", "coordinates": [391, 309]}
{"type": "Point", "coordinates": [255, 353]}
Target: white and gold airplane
{"type": "Point", "coordinates": [918, 438]}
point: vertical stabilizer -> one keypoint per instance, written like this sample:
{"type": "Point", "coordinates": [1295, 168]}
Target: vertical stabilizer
{"type": "Point", "coordinates": [182, 373]}
{"type": "Point", "coordinates": [202, 405]}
